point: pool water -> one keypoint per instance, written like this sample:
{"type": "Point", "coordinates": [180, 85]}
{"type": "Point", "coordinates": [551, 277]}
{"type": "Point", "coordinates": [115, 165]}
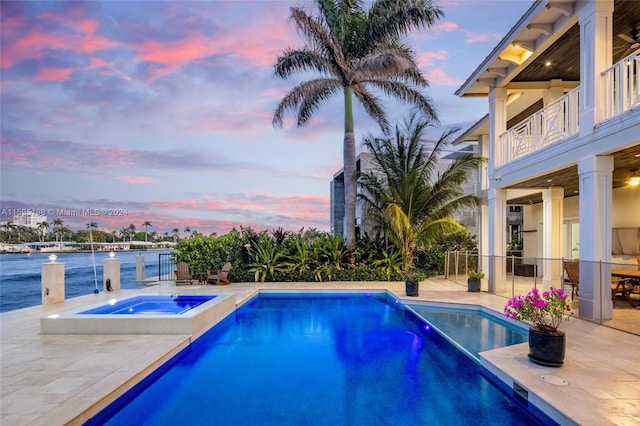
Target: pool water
{"type": "Point", "coordinates": [151, 305]}
{"type": "Point", "coordinates": [472, 330]}
{"type": "Point", "coordinates": [318, 360]}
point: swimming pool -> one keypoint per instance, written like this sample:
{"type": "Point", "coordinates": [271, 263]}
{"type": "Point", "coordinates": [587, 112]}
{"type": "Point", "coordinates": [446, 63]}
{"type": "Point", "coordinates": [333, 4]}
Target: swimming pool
{"type": "Point", "coordinates": [143, 314]}
{"type": "Point", "coordinates": [470, 328]}
{"type": "Point", "coordinates": [285, 359]}
{"type": "Point", "coordinates": [151, 305]}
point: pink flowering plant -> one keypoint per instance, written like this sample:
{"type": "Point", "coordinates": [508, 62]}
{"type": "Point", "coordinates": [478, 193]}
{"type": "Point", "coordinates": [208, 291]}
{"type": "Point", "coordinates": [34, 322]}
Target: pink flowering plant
{"type": "Point", "coordinates": [547, 311]}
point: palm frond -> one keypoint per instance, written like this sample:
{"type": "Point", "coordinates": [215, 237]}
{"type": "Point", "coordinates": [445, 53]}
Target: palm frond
{"type": "Point", "coordinates": [304, 98]}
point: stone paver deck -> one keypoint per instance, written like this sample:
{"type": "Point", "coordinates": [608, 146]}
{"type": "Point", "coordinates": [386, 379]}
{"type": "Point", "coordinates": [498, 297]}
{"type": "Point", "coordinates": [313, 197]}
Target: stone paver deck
{"type": "Point", "coordinates": [65, 379]}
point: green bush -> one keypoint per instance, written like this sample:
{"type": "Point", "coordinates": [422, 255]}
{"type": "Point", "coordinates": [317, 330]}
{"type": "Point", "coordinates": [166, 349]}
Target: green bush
{"type": "Point", "coordinates": [305, 256]}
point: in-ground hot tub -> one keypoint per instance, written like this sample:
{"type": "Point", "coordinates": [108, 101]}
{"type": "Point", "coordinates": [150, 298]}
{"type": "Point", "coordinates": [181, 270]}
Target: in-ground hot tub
{"type": "Point", "coordinates": [143, 314]}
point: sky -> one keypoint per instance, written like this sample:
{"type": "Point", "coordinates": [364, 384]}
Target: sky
{"type": "Point", "coordinates": [121, 112]}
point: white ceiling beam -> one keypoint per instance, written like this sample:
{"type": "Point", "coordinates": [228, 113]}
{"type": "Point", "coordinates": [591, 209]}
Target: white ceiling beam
{"type": "Point", "coordinates": [498, 71]}
{"type": "Point", "coordinates": [545, 29]}
{"type": "Point", "coordinates": [567, 9]}
{"type": "Point", "coordinates": [529, 45]}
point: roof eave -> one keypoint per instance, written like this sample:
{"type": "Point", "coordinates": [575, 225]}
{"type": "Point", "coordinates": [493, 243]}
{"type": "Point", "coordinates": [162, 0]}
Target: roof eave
{"type": "Point", "coordinates": [506, 40]}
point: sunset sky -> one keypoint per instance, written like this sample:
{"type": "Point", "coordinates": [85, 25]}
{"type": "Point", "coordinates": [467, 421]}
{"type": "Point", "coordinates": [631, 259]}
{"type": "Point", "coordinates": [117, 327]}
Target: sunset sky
{"type": "Point", "coordinates": [161, 110]}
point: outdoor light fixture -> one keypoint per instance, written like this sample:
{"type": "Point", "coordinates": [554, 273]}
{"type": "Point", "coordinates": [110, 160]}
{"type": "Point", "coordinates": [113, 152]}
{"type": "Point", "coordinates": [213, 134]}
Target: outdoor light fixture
{"type": "Point", "coordinates": [52, 258]}
{"type": "Point", "coordinates": [634, 180]}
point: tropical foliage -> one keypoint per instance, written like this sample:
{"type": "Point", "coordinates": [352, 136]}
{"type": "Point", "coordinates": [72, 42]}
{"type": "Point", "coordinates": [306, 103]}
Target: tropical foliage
{"type": "Point", "coordinates": [410, 202]}
{"type": "Point", "coordinates": [355, 50]}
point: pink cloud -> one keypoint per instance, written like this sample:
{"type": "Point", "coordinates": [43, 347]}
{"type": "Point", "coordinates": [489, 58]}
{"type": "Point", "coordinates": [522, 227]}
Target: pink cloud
{"type": "Point", "coordinates": [438, 76]}
{"type": "Point", "coordinates": [472, 37]}
{"type": "Point", "coordinates": [446, 26]}
{"type": "Point", "coordinates": [53, 74]}
{"type": "Point", "coordinates": [427, 59]}
{"type": "Point", "coordinates": [138, 180]}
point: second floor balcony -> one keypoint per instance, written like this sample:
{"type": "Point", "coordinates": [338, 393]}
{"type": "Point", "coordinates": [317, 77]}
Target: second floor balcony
{"type": "Point", "coordinates": [559, 120]}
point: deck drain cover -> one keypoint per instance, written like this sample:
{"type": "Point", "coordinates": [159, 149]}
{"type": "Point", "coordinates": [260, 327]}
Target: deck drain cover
{"type": "Point", "coordinates": [555, 380]}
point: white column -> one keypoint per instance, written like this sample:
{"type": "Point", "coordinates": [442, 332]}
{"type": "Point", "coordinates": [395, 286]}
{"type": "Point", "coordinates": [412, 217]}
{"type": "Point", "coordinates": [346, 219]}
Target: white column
{"type": "Point", "coordinates": [595, 174]}
{"type": "Point", "coordinates": [483, 240]}
{"type": "Point", "coordinates": [497, 239]}
{"type": "Point", "coordinates": [111, 272]}
{"type": "Point", "coordinates": [552, 214]}
{"type": "Point", "coordinates": [596, 44]}
{"type": "Point", "coordinates": [554, 92]}
{"type": "Point", "coordinates": [52, 280]}
{"type": "Point", "coordinates": [140, 269]}
{"type": "Point", "coordinates": [497, 126]}
{"type": "Point", "coordinates": [483, 151]}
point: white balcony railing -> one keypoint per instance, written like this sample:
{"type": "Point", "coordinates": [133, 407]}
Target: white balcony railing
{"type": "Point", "coordinates": [552, 123]}
{"type": "Point", "coordinates": [622, 85]}
{"type": "Point", "coordinates": [559, 119]}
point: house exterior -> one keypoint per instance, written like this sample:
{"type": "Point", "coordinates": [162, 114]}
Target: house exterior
{"type": "Point", "coordinates": [562, 136]}
{"type": "Point", "coordinates": [364, 163]}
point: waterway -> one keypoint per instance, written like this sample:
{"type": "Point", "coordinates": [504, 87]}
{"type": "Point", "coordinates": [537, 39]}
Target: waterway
{"type": "Point", "coordinates": [21, 279]}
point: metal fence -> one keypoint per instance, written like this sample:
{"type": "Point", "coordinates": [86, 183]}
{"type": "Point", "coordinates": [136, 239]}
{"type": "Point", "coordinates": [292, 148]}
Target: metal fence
{"type": "Point", "coordinates": [166, 268]}
{"type": "Point", "coordinates": [508, 276]}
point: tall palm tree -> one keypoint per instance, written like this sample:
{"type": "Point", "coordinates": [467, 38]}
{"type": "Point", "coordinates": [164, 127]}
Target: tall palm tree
{"type": "Point", "coordinates": [42, 229]}
{"type": "Point", "coordinates": [355, 50]}
{"type": "Point", "coordinates": [58, 225]}
{"type": "Point", "coordinates": [176, 233]}
{"type": "Point", "coordinates": [146, 225]}
{"type": "Point", "coordinates": [406, 196]}
{"type": "Point", "coordinates": [132, 231]}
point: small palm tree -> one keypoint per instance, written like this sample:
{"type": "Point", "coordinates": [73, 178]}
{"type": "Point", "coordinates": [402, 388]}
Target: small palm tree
{"type": "Point", "coordinates": [146, 225]}
{"type": "Point", "coordinates": [42, 228]}
{"type": "Point", "coordinates": [405, 195]}
{"type": "Point", "coordinates": [58, 226]}
{"type": "Point", "coordinates": [355, 50]}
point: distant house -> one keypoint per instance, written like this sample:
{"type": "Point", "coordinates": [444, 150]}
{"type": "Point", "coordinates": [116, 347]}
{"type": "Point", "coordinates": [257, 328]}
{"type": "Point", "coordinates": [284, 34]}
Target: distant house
{"type": "Point", "coordinates": [562, 136]}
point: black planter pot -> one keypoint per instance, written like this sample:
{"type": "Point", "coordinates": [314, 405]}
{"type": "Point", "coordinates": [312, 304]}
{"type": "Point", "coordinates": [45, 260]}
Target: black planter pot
{"type": "Point", "coordinates": [412, 287]}
{"type": "Point", "coordinates": [546, 348]}
{"type": "Point", "coordinates": [473, 285]}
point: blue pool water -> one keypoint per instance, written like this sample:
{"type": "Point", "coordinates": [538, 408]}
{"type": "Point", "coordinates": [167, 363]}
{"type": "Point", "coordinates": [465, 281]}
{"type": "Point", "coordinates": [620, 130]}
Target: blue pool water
{"type": "Point", "coordinates": [473, 330]}
{"type": "Point", "coordinates": [152, 305]}
{"type": "Point", "coordinates": [319, 360]}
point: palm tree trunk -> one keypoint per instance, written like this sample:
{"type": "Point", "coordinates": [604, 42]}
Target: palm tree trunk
{"type": "Point", "coordinates": [349, 172]}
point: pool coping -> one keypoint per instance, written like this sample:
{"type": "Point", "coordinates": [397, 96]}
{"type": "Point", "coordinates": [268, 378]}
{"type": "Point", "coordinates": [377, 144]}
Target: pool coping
{"type": "Point", "coordinates": [192, 322]}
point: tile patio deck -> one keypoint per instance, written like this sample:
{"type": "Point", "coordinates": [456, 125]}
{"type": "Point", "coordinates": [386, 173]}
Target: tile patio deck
{"type": "Point", "coordinates": [64, 379]}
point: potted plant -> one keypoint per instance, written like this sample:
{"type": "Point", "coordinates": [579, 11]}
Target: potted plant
{"type": "Point", "coordinates": [546, 311]}
{"type": "Point", "coordinates": [473, 283]}
{"type": "Point", "coordinates": [412, 282]}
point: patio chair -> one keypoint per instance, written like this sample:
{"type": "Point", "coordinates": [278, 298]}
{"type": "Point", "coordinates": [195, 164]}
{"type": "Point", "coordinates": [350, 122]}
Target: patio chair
{"type": "Point", "coordinates": [619, 287]}
{"type": "Point", "coordinates": [573, 274]}
{"type": "Point", "coordinates": [183, 274]}
{"type": "Point", "coordinates": [219, 277]}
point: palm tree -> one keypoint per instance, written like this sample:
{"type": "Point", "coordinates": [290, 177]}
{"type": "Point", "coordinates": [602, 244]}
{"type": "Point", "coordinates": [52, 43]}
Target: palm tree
{"type": "Point", "coordinates": [405, 195]}
{"type": "Point", "coordinates": [8, 228]}
{"type": "Point", "coordinates": [355, 50]}
{"type": "Point", "coordinates": [42, 228]}
{"type": "Point", "coordinates": [132, 231]}
{"type": "Point", "coordinates": [175, 232]}
{"type": "Point", "coordinates": [58, 225]}
{"type": "Point", "coordinates": [187, 231]}
{"type": "Point", "coordinates": [146, 225]}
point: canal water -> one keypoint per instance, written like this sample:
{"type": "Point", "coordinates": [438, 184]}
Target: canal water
{"type": "Point", "coordinates": [20, 274]}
